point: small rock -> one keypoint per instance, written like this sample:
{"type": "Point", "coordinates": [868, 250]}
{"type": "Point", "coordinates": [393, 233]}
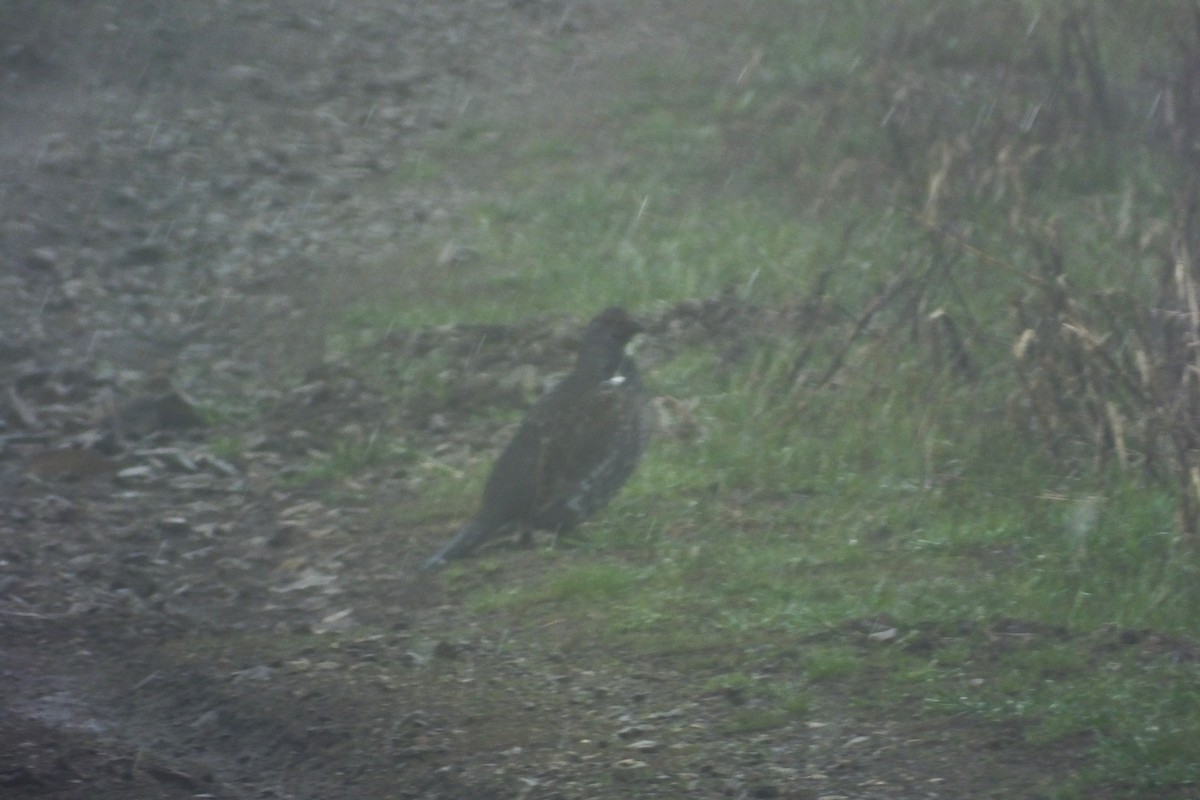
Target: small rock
{"type": "Point", "coordinates": [258, 673]}
{"type": "Point", "coordinates": [632, 731]}
{"type": "Point", "coordinates": [454, 254]}
{"type": "Point", "coordinates": [75, 288]}
{"type": "Point", "coordinates": [43, 259]}
{"type": "Point", "coordinates": [243, 72]}
{"type": "Point", "coordinates": [217, 464]}
{"type": "Point", "coordinates": [446, 650]}
{"type": "Point", "coordinates": [135, 475]}
{"type": "Point", "coordinates": [630, 769]}
{"type": "Point", "coordinates": [128, 196]}
{"type": "Point", "coordinates": [194, 483]}
{"type": "Point", "coordinates": [337, 621]}
{"type": "Point", "coordinates": [673, 713]}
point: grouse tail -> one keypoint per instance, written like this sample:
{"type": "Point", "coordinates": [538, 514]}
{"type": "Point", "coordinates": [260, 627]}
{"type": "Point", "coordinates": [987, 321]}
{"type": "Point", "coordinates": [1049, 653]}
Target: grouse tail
{"type": "Point", "coordinates": [464, 542]}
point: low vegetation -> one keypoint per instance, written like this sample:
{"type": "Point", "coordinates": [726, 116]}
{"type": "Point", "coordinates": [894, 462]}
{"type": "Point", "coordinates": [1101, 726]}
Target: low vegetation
{"type": "Point", "coordinates": [948, 451]}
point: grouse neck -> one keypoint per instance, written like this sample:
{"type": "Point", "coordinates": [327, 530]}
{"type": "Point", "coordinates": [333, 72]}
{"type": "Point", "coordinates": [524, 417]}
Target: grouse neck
{"type": "Point", "coordinates": [599, 361]}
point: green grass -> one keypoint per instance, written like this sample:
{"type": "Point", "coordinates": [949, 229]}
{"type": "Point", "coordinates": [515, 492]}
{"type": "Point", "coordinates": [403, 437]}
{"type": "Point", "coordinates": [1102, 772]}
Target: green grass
{"type": "Point", "coordinates": [347, 457]}
{"type": "Point", "coordinates": [1141, 713]}
{"type": "Point", "coordinates": [898, 492]}
{"type": "Point", "coordinates": [601, 241]}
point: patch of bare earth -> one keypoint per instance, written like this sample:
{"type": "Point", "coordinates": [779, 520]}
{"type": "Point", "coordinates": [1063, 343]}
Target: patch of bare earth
{"type": "Point", "coordinates": [187, 190]}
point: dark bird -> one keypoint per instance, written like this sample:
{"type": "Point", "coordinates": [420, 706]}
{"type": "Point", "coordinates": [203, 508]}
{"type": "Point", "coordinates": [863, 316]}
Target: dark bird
{"type": "Point", "coordinates": [575, 449]}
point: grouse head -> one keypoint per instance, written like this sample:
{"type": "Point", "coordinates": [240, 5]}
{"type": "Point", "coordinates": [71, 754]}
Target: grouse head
{"type": "Point", "coordinates": [604, 340]}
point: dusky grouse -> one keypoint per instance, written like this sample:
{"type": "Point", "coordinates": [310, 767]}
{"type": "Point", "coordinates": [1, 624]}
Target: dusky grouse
{"type": "Point", "coordinates": [575, 448]}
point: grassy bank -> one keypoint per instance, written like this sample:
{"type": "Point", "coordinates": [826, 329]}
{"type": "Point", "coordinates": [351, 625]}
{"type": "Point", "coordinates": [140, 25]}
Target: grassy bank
{"type": "Point", "coordinates": [949, 487]}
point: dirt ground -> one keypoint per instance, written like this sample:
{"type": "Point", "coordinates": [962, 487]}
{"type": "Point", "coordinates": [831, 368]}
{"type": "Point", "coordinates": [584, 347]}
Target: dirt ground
{"type": "Point", "coordinates": [188, 191]}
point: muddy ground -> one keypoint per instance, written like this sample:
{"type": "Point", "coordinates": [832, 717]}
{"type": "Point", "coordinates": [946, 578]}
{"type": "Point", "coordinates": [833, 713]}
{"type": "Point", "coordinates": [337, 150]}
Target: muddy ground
{"type": "Point", "coordinates": [188, 193]}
